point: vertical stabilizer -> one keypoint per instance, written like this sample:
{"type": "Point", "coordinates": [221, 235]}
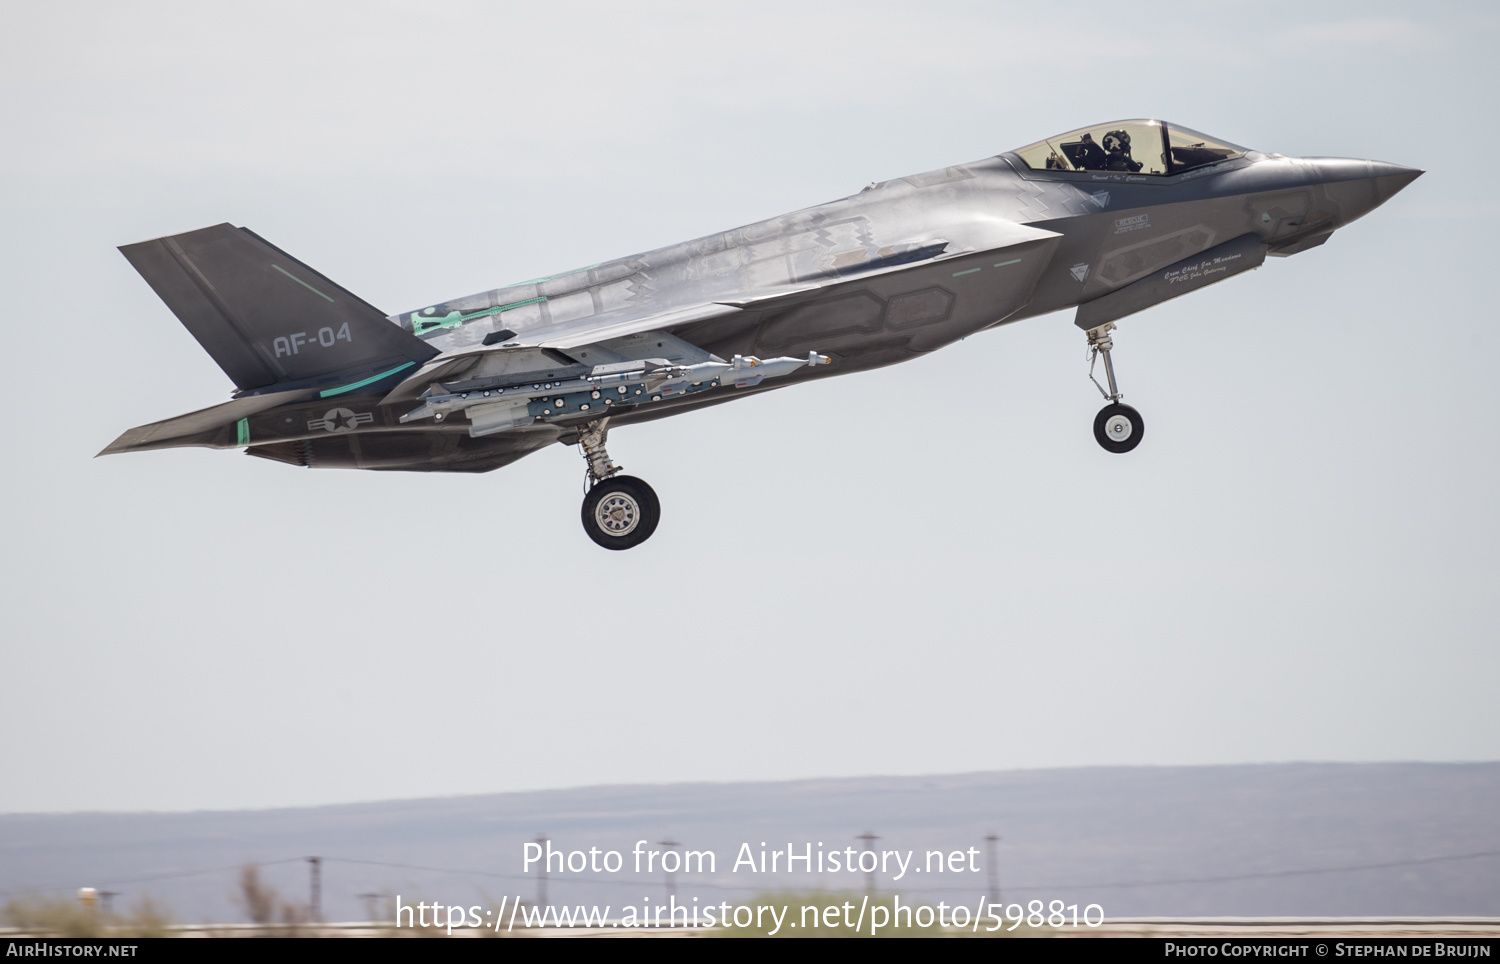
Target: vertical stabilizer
{"type": "Point", "coordinates": [266, 317]}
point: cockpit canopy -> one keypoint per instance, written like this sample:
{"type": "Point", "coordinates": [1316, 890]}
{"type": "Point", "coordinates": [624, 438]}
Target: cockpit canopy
{"type": "Point", "coordinates": [1128, 147]}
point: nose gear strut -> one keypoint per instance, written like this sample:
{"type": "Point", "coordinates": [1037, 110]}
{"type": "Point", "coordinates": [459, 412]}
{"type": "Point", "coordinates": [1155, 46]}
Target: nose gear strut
{"type": "Point", "coordinates": [1117, 427]}
{"type": "Point", "coordinates": [1101, 344]}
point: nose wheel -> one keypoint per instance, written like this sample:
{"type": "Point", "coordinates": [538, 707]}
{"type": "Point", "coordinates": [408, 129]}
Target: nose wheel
{"type": "Point", "coordinates": [619, 511]}
{"type": "Point", "coordinates": [1117, 427]}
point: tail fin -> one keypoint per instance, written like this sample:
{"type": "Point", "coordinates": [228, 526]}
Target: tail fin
{"type": "Point", "coordinates": [264, 316]}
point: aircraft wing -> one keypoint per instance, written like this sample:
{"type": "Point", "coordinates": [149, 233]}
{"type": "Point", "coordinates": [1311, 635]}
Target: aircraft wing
{"type": "Point", "coordinates": [965, 238]}
{"type": "Point", "coordinates": [597, 328]}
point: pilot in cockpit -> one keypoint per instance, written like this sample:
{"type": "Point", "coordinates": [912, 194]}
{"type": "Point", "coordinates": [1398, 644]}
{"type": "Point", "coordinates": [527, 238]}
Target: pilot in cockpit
{"type": "Point", "coordinates": [1117, 149]}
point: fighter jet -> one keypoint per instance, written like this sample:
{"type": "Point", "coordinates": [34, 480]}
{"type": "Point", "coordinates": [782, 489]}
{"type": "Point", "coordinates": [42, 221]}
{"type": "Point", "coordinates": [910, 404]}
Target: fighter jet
{"type": "Point", "coordinates": [1107, 220]}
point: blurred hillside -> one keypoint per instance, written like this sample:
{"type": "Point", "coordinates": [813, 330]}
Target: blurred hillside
{"type": "Point", "coordinates": [1308, 839]}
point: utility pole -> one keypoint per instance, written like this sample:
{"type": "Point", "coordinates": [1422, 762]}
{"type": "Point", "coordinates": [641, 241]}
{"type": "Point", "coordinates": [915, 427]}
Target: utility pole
{"type": "Point", "coordinates": [869, 838]}
{"type": "Point", "coordinates": [993, 868]}
{"type": "Point", "coordinates": [105, 896]}
{"type": "Point", "coordinates": [671, 876]}
{"type": "Point", "coordinates": [541, 874]}
{"type": "Point", "coordinates": [315, 884]}
{"type": "Point", "coordinates": [372, 901]}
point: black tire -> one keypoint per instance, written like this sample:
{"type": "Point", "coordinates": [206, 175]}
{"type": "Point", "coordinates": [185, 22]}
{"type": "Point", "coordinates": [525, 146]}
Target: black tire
{"type": "Point", "coordinates": [621, 512]}
{"type": "Point", "coordinates": [1119, 428]}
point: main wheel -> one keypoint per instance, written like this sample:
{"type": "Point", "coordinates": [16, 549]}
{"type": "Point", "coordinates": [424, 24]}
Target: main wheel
{"type": "Point", "coordinates": [1119, 428]}
{"type": "Point", "coordinates": [621, 512]}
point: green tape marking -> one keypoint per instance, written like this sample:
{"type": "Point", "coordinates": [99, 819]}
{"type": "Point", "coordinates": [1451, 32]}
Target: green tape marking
{"type": "Point", "coordinates": [301, 282]}
{"type": "Point", "coordinates": [365, 381]}
{"type": "Point", "coordinates": [1011, 261]}
{"type": "Point", "coordinates": [421, 324]}
{"type": "Point", "coordinates": [960, 274]}
{"type": "Point", "coordinates": [242, 432]}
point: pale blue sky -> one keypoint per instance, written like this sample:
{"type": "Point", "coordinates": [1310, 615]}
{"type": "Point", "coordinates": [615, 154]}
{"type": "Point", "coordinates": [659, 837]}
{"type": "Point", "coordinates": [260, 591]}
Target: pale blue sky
{"type": "Point", "coordinates": [1297, 564]}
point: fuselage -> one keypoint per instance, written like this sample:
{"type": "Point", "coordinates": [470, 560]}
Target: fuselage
{"type": "Point", "coordinates": [896, 270]}
{"type": "Point", "coordinates": [1119, 226]}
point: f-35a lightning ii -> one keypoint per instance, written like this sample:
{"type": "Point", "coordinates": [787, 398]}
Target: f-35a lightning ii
{"type": "Point", "coordinates": [1109, 219]}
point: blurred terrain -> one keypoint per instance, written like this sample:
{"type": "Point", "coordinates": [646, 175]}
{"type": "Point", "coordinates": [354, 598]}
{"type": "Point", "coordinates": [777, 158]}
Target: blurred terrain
{"type": "Point", "coordinates": [1400, 839]}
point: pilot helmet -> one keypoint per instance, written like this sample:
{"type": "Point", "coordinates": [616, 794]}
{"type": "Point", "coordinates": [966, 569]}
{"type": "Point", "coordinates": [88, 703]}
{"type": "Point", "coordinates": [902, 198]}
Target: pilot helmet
{"type": "Point", "coordinates": [1117, 139]}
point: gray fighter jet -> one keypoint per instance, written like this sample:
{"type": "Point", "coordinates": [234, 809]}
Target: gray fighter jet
{"type": "Point", "coordinates": [1108, 219]}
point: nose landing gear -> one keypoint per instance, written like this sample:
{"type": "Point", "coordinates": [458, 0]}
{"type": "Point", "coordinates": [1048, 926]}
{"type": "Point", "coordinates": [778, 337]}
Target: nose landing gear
{"type": "Point", "coordinates": [619, 511]}
{"type": "Point", "coordinates": [1117, 427]}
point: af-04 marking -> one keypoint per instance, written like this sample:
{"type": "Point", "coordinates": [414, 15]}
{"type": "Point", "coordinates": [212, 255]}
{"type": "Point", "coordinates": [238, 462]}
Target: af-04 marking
{"type": "Point", "coordinates": [324, 337]}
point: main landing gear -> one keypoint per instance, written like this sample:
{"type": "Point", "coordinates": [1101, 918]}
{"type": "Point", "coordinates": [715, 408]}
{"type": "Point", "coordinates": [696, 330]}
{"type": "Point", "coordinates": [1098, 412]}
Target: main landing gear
{"type": "Point", "coordinates": [1117, 427]}
{"type": "Point", "coordinates": [619, 511]}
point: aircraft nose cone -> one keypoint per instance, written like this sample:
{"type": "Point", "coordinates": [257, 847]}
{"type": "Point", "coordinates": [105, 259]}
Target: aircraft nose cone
{"type": "Point", "coordinates": [1391, 178]}
{"type": "Point", "coordinates": [1359, 187]}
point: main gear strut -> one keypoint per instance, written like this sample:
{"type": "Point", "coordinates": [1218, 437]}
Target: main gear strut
{"type": "Point", "coordinates": [591, 439]}
{"type": "Point", "coordinates": [618, 511]}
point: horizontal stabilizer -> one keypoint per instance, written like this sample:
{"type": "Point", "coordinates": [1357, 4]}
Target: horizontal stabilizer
{"type": "Point", "coordinates": [264, 316]}
{"type": "Point", "coordinates": [205, 427]}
